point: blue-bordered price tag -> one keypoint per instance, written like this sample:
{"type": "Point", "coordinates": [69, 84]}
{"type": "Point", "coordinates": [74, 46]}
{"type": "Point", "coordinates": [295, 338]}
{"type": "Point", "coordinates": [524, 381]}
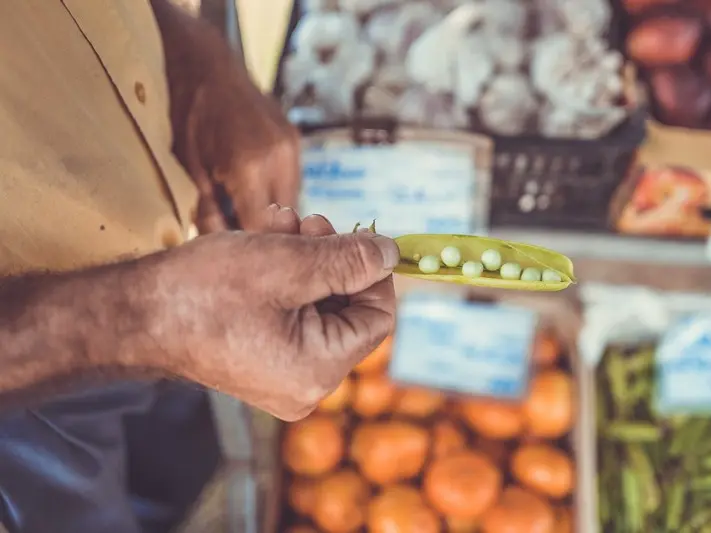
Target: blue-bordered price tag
{"type": "Point", "coordinates": [407, 188]}
{"type": "Point", "coordinates": [479, 349]}
{"type": "Point", "coordinates": [683, 363]}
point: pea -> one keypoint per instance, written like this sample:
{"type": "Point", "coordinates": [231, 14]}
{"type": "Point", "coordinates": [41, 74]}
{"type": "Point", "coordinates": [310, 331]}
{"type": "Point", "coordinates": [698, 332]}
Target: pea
{"type": "Point", "coordinates": [531, 274]}
{"type": "Point", "coordinates": [429, 264]}
{"type": "Point", "coordinates": [451, 256]}
{"type": "Point", "coordinates": [511, 271]}
{"type": "Point", "coordinates": [551, 276]}
{"type": "Point", "coordinates": [472, 269]}
{"type": "Point", "coordinates": [491, 260]}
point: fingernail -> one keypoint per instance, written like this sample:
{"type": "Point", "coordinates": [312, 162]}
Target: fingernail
{"type": "Point", "coordinates": [273, 208]}
{"type": "Point", "coordinates": [389, 251]}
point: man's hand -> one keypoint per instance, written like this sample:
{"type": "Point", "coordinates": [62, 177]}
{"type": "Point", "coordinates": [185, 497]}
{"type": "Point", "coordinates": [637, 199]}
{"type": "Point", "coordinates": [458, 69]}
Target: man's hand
{"type": "Point", "coordinates": [277, 319]}
{"type": "Point", "coordinates": [238, 141]}
{"type": "Point", "coordinates": [227, 134]}
{"type": "Point", "coordinates": [255, 316]}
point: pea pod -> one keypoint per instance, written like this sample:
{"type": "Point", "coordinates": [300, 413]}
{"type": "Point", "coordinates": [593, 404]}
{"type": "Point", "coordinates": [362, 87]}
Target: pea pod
{"type": "Point", "coordinates": [471, 248]}
{"type": "Point", "coordinates": [414, 246]}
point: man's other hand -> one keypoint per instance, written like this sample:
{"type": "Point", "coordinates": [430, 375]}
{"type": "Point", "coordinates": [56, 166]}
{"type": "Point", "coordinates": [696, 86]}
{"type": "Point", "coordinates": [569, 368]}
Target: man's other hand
{"type": "Point", "coordinates": [239, 141]}
{"type": "Point", "coordinates": [227, 134]}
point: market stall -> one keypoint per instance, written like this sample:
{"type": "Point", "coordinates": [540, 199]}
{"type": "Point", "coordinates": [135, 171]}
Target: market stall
{"type": "Point", "coordinates": [578, 126]}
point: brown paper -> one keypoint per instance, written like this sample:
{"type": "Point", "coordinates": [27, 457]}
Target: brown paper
{"type": "Point", "coordinates": [668, 185]}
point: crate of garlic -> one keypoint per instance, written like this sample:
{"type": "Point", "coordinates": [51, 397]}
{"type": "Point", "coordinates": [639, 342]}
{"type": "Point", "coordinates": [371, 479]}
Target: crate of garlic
{"type": "Point", "coordinates": [505, 67]}
{"type": "Point", "coordinates": [381, 457]}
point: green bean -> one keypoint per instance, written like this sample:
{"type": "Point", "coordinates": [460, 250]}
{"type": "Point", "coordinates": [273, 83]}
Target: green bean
{"type": "Point", "coordinates": [644, 471]}
{"type": "Point", "coordinates": [633, 432]}
{"type": "Point", "coordinates": [634, 513]}
{"type": "Point", "coordinates": [687, 436]}
{"type": "Point", "coordinates": [654, 472]}
{"type": "Point", "coordinates": [675, 506]}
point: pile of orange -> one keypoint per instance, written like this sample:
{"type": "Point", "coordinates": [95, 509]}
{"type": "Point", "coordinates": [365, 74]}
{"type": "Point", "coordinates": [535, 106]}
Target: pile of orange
{"type": "Point", "coordinates": [377, 457]}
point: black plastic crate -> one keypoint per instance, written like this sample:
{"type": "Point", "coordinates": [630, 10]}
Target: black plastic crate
{"type": "Point", "coordinates": [564, 184]}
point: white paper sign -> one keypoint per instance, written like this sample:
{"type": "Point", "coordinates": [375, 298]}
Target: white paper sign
{"type": "Point", "coordinates": [407, 188]}
{"type": "Point", "coordinates": [447, 343]}
{"type": "Point", "coordinates": [683, 362]}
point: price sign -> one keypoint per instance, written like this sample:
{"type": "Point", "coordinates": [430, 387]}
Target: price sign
{"type": "Point", "coordinates": [447, 343]}
{"type": "Point", "coordinates": [683, 362]}
{"type": "Point", "coordinates": [407, 188]}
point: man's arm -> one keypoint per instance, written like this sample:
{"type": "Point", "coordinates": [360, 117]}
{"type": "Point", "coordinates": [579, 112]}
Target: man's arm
{"type": "Point", "coordinates": [195, 54]}
{"type": "Point", "coordinates": [226, 133]}
{"type": "Point", "coordinates": [59, 331]}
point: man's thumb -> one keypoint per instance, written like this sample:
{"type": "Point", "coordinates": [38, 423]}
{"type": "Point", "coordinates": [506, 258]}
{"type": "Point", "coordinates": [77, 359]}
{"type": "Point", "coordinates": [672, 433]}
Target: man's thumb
{"type": "Point", "coordinates": [348, 264]}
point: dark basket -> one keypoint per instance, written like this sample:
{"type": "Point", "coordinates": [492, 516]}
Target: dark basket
{"type": "Point", "coordinates": [537, 181]}
{"type": "Point", "coordinates": [565, 184]}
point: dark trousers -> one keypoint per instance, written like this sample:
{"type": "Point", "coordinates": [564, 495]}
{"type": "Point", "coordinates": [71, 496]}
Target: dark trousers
{"type": "Point", "coordinates": [129, 458]}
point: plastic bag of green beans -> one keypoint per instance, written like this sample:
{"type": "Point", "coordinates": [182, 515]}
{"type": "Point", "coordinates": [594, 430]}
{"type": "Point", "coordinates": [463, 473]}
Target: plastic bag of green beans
{"type": "Point", "coordinates": [647, 386]}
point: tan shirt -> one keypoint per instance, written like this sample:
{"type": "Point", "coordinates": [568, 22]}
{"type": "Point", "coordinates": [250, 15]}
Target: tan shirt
{"type": "Point", "coordinates": [86, 171]}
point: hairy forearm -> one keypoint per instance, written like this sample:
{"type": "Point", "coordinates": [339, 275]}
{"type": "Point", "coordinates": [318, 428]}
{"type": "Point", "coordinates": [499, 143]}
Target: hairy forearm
{"type": "Point", "coordinates": [66, 330]}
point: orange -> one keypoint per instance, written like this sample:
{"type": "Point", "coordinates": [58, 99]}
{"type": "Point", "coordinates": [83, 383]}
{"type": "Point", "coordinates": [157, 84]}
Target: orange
{"type": "Point", "coordinates": [546, 349]}
{"type": "Point", "coordinates": [462, 486]}
{"type": "Point", "coordinates": [519, 511]}
{"type": "Point", "coordinates": [387, 452]}
{"type": "Point", "coordinates": [447, 438]}
{"type": "Point", "coordinates": [545, 469]}
{"type": "Point", "coordinates": [338, 400]}
{"type": "Point", "coordinates": [313, 445]}
{"type": "Point", "coordinates": [402, 509]}
{"type": "Point", "coordinates": [341, 501]}
{"type": "Point", "coordinates": [373, 395]}
{"type": "Point", "coordinates": [549, 409]}
{"type": "Point", "coordinates": [301, 529]}
{"type": "Point", "coordinates": [458, 525]}
{"type": "Point", "coordinates": [418, 403]}
{"type": "Point", "coordinates": [302, 494]}
{"type": "Point", "coordinates": [378, 359]}
{"type": "Point", "coordinates": [564, 520]}
{"type": "Point", "coordinates": [492, 418]}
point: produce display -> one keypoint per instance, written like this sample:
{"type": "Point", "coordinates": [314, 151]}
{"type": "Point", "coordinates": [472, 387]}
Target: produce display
{"type": "Point", "coordinates": [507, 67]}
{"type": "Point", "coordinates": [384, 458]}
{"type": "Point", "coordinates": [668, 39]}
{"type": "Point", "coordinates": [654, 473]}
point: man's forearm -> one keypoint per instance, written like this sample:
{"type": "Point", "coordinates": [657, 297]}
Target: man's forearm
{"type": "Point", "coordinates": [66, 330]}
{"type": "Point", "coordinates": [195, 54]}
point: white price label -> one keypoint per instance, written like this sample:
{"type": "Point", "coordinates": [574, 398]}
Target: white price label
{"type": "Point", "coordinates": [407, 188]}
{"type": "Point", "coordinates": [479, 349]}
{"type": "Point", "coordinates": [683, 361]}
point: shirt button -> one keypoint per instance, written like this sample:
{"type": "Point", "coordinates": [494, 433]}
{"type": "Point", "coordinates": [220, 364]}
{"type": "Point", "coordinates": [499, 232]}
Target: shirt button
{"type": "Point", "coordinates": [140, 91]}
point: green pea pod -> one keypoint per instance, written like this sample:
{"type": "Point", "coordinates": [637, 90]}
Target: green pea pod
{"type": "Point", "coordinates": [414, 246]}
